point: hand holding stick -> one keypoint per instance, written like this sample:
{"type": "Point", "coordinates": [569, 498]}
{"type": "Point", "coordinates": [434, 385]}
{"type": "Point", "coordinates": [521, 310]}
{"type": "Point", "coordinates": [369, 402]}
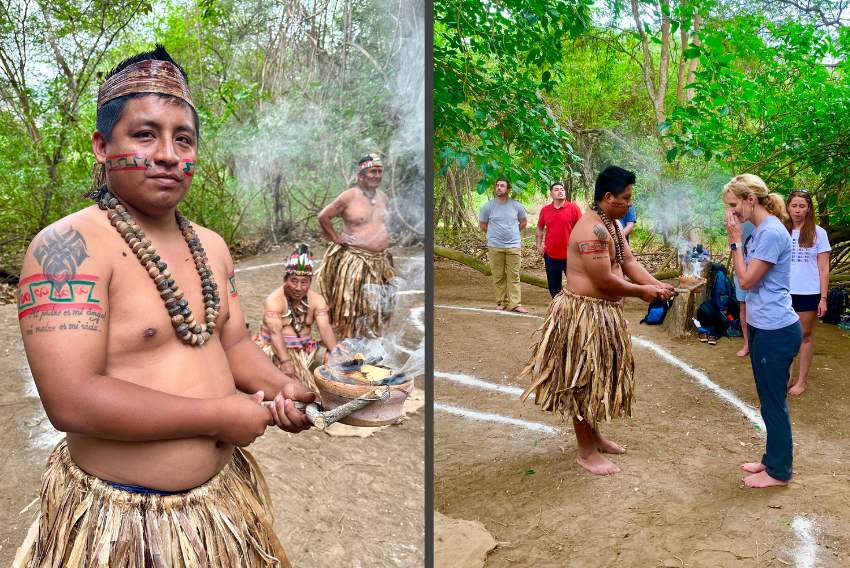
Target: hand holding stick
{"type": "Point", "coordinates": [322, 419]}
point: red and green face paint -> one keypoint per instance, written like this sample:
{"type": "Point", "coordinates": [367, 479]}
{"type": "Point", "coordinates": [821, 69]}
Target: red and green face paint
{"type": "Point", "coordinates": [187, 167]}
{"type": "Point", "coordinates": [126, 162]}
{"type": "Point", "coordinates": [129, 162]}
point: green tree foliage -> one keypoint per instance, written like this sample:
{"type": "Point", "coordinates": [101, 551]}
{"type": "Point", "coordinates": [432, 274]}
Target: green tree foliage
{"type": "Point", "coordinates": [289, 95]}
{"type": "Point", "coordinates": [773, 98]}
{"type": "Point", "coordinates": [495, 67]}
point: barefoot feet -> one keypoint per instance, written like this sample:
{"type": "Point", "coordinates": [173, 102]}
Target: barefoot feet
{"type": "Point", "coordinates": [762, 479]}
{"type": "Point", "coordinates": [797, 389]}
{"type": "Point", "coordinates": [607, 446]}
{"type": "Point", "coordinates": [596, 463]}
{"type": "Point", "coordinates": [744, 351]}
{"type": "Point", "coordinates": [753, 467]}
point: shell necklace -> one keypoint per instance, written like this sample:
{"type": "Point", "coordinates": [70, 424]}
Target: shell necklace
{"type": "Point", "coordinates": [370, 197]}
{"type": "Point", "coordinates": [185, 326]}
{"type": "Point", "coordinates": [297, 313]}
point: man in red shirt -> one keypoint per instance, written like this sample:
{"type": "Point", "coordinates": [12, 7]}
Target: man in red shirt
{"type": "Point", "coordinates": [556, 221]}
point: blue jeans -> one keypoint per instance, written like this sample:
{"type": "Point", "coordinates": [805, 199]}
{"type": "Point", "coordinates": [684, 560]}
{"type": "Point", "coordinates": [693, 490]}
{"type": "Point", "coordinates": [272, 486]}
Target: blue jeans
{"type": "Point", "coordinates": [555, 267]}
{"type": "Point", "coordinates": [771, 354]}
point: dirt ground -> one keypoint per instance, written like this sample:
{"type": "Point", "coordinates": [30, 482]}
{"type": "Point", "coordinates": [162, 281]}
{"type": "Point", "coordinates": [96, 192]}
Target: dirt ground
{"type": "Point", "coordinates": [678, 500]}
{"type": "Point", "coordinates": [339, 501]}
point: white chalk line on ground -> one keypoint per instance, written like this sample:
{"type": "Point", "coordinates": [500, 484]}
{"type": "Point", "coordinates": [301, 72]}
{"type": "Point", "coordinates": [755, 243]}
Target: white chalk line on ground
{"type": "Point", "coordinates": [701, 378]}
{"type": "Point", "coordinates": [474, 382]}
{"type": "Point", "coordinates": [270, 265]}
{"type": "Point", "coordinates": [401, 293]}
{"type": "Point", "coordinates": [498, 418]}
{"type": "Point", "coordinates": [245, 269]}
{"type": "Point", "coordinates": [748, 411]}
{"type": "Point", "coordinates": [807, 547]}
{"type": "Point", "coordinates": [487, 311]}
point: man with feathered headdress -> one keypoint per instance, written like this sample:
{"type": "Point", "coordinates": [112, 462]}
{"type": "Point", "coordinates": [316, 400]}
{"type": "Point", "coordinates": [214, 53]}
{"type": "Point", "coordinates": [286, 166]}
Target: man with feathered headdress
{"type": "Point", "coordinates": [140, 306]}
{"type": "Point", "coordinates": [357, 268]}
{"type": "Point", "coordinates": [288, 317]}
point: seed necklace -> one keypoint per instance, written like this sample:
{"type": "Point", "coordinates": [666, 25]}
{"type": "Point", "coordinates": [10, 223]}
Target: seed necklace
{"type": "Point", "coordinates": [616, 234]}
{"type": "Point", "coordinates": [185, 326]}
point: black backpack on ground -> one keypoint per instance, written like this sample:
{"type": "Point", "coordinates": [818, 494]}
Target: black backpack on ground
{"type": "Point", "coordinates": [712, 319]}
{"type": "Point", "coordinates": [836, 304]}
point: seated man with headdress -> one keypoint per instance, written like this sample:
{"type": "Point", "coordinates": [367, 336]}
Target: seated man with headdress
{"type": "Point", "coordinates": [357, 270]}
{"type": "Point", "coordinates": [288, 317]}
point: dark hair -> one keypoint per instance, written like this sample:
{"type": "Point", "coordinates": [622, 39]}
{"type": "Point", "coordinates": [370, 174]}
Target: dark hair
{"type": "Point", "coordinates": [613, 180]}
{"type": "Point", "coordinates": [504, 179]}
{"type": "Point", "coordinates": [554, 183]}
{"type": "Point", "coordinates": [110, 113]}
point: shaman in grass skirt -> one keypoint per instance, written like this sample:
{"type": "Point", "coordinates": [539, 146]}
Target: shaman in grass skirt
{"type": "Point", "coordinates": [357, 275]}
{"type": "Point", "coordinates": [581, 364]}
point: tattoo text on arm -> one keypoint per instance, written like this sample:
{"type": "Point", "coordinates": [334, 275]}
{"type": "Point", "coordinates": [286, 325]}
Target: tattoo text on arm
{"type": "Point", "coordinates": [40, 300]}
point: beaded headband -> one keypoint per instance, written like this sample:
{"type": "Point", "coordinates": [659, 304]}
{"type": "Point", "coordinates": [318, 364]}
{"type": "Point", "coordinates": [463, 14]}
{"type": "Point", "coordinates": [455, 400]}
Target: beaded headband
{"type": "Point", "coordinates": [149, 76]}
{"type": "Point", "coordinates": [371, 161]}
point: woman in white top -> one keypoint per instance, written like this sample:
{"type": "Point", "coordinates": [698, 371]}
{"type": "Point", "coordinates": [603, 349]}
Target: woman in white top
{"type": "Point", "coordinates": [809, 276]}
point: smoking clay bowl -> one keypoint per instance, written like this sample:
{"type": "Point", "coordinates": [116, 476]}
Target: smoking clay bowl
{"type": "Point", "coordinates": [381, 412]}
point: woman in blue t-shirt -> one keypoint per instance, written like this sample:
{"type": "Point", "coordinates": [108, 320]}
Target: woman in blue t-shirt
{"type": "Point", "coordinates": [772, 323]}
{"type": "Point", "coordinates": [809, 276]}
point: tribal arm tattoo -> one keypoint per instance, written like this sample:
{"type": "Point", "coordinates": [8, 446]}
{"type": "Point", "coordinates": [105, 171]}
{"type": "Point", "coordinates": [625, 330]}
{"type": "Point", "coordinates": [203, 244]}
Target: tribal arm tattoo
{"type": "Point", "coordinates": [60, 254]}
{"type": "Point", "coordinates": [592, 246]}
{"type": "Point", "coordinates": [59, 291]}
{"type": "Point", "coordinates": [600, 232]}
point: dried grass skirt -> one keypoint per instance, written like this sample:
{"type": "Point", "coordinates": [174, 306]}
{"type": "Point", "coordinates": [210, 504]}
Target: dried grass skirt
{"type": "Point", "coordinates": [582, 363]}
{"type": "Point", "coordinates": [85, 522]}
{"type": "Point", "coordinates": [302, 361]}
{"type": "Point", "coordinates": [356, 285]}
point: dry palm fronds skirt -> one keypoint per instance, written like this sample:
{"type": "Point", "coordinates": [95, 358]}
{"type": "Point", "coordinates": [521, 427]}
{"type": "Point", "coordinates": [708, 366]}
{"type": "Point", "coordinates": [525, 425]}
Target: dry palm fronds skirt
{"type": "Point", "coordinates": [302, 361]}
{"type": "Point", "coordinates": [86, 522]}
{"type": "Point", "coordinates": [356, 285]}
{"type": "Point", "coordinates": [582, 364]}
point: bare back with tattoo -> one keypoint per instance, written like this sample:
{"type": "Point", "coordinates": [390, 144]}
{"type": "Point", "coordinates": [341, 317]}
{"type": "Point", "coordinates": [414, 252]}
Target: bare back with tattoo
{"type": "Point", "coordinates": [89, 312]}
{"type": "Point", "coordinates": [590, 257]}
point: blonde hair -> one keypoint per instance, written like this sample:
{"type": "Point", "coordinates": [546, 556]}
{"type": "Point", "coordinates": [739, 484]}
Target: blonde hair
{"type": "Point", "coordinates": [744, 185]}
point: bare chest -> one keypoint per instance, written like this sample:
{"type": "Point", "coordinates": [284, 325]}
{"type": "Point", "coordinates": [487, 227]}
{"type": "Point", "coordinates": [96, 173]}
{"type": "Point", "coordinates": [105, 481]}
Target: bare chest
{"type": "Point", "coordinates": [363, 211]}
{"type": "Point", "coordinates": [138, 318]}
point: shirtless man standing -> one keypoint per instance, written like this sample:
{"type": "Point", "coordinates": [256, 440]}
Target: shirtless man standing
{"type": "Point", "coordinates": [288, 317]}
{"type": "Point", "coordinates": [357, 268]}
{"type": "Point", "coordinates": [140, 360]}
{"type": "Point", "coordinates": [582, 365]}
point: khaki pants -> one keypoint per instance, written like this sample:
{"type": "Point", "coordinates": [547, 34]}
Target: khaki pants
{"type": "Point", "coordinates": [504, 264]}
